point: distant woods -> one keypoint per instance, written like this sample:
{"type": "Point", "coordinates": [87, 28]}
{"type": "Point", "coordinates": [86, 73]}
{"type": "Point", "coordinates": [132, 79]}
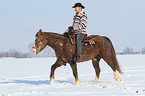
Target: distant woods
{"type": "Point", "coordinates": [14, 53]}
{"type": "Point", "coordinates": [129, 50]}
{"type": "Point", "coordinates": [49, 52]}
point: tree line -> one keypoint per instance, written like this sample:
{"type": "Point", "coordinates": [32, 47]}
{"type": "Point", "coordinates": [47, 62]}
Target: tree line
{"type": "Point", "coordinates": [14, 53]}
{"type": "Point", "coordinates": [47, 52]}
{"type": "Point", "coordinates": [129, 50]}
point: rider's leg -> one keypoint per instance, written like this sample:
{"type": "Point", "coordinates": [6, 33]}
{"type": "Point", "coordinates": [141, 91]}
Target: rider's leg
{"type": "Point", "coordinates": [79, 43]}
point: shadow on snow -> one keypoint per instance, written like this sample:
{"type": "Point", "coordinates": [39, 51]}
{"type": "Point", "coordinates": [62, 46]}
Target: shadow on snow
{"type": "Point", "coordinates": [39, 82]}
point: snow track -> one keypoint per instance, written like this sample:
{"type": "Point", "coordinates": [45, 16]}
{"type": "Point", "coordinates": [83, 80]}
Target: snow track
{"type": "Point", "coordinates": [30, 77]}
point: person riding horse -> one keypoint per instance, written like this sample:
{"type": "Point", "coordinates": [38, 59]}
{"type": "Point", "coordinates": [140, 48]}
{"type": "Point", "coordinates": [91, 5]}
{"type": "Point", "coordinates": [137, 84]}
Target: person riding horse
{"type": "Point", "coordinates": [64, 50]}
{"type": "Point", "coordinates": [79, 26]}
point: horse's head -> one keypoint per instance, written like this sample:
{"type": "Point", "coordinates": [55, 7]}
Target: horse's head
{"type": "Point", "coordinates": [40, 42]}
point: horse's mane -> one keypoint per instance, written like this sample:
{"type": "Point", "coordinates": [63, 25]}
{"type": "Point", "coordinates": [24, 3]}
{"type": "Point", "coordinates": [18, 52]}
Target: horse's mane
{"type": "Point", "coordinates": [53, 33]}
{"type": "Point", "coordinates": [56, 35]}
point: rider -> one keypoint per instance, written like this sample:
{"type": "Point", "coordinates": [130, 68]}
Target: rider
{"type": "Point", "coordinates": [79, 25]}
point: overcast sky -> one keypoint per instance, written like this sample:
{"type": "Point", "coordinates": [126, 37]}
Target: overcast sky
{"type": "Point", "coordinates": [123, 21]}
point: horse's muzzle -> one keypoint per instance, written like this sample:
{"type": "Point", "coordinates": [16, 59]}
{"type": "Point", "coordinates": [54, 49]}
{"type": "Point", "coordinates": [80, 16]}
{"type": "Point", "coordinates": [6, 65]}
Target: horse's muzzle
{"type": "Point", "coordinates": [35, 51]}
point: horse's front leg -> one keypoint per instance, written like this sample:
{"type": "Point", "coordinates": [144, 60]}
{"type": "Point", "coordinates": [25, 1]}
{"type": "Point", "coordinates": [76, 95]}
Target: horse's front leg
{"type": "Point", "coordinates": [53, 67]}
{"type": "Point", "coordinates": [75, 73]}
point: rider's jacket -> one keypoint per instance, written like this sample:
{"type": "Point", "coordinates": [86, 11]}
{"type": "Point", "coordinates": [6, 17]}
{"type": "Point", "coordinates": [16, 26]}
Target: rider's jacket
{"type": "Point", "coordinates": [80, 22]}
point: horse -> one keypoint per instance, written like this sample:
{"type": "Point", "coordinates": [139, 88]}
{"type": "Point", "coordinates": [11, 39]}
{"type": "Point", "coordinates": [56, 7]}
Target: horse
{"type": "Point", "coordinates": [64, 50]}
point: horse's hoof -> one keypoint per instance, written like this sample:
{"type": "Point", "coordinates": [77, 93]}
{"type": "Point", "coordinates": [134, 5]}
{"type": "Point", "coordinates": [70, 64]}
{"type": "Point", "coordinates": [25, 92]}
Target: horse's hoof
{"type": "Point", "coordinates": [95, 83]}
{"type": "Point", "coordinates": [51, 81]}
{"type": "Point", "coordinates": [117, 79]}
{"type": "Point", "coordinates": [96, 80]}
{"type": "Point", "coordinates": [77, 82]}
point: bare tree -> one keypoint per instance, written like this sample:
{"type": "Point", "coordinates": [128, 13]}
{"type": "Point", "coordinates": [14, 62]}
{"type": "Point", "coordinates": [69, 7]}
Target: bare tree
{"type": "Point", "coordinates": [143, 50]}
{"type": "Point", "coordinates": [128, 50]}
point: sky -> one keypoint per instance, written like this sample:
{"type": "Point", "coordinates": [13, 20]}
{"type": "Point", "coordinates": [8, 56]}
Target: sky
{"type": "Point", "coordinates": [123, 21]}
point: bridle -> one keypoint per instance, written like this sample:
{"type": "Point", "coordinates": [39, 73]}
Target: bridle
{"type": "Point", "coordinates": [40, 42]}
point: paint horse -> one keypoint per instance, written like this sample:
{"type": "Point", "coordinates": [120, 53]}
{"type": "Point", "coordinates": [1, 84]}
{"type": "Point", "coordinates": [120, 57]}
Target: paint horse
{"type": "Point", "coordinates": [65, 51]}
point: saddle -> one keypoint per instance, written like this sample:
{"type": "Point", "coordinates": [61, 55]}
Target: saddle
{"type": "Point", "coordinates": [72, 36]}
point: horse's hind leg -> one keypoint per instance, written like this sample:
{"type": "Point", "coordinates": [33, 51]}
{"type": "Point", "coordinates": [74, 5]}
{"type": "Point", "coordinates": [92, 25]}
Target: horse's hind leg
{"type": "Point", "coordinates": [95, 62]}
{"type": "Point", "coordinates": [111, 63]}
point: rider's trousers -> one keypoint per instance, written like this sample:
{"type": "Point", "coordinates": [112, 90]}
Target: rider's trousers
{"type": "Point", "coordinates": [79, 43]}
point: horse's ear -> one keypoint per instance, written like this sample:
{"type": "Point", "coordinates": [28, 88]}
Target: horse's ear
{"type": "Point", "coordinates": [40, 32]}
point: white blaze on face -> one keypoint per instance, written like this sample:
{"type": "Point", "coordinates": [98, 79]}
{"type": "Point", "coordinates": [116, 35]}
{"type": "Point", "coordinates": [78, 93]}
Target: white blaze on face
{"type": "Point", "coordinates": [61, 44]}
{"type": "Point", "coordinates": [34, 50]}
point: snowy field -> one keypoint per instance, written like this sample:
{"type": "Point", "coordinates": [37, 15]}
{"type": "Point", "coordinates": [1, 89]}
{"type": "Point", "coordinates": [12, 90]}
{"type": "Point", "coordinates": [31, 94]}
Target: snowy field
{"type": "Point", "coordinates": [30, 77]}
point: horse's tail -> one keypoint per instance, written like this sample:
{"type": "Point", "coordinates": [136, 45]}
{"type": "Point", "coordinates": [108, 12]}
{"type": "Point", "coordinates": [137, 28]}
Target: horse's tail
{"type": "Point", "coordinates": [114, 58]}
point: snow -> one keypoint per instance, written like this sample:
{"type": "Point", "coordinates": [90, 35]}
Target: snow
{"type": "Point", "coordinates": [30, 77]}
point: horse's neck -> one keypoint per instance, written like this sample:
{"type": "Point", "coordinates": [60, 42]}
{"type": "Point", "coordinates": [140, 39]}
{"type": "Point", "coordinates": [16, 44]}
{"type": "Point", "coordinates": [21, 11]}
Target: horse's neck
{"type": "Point", "coordinates": [55, 41]}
